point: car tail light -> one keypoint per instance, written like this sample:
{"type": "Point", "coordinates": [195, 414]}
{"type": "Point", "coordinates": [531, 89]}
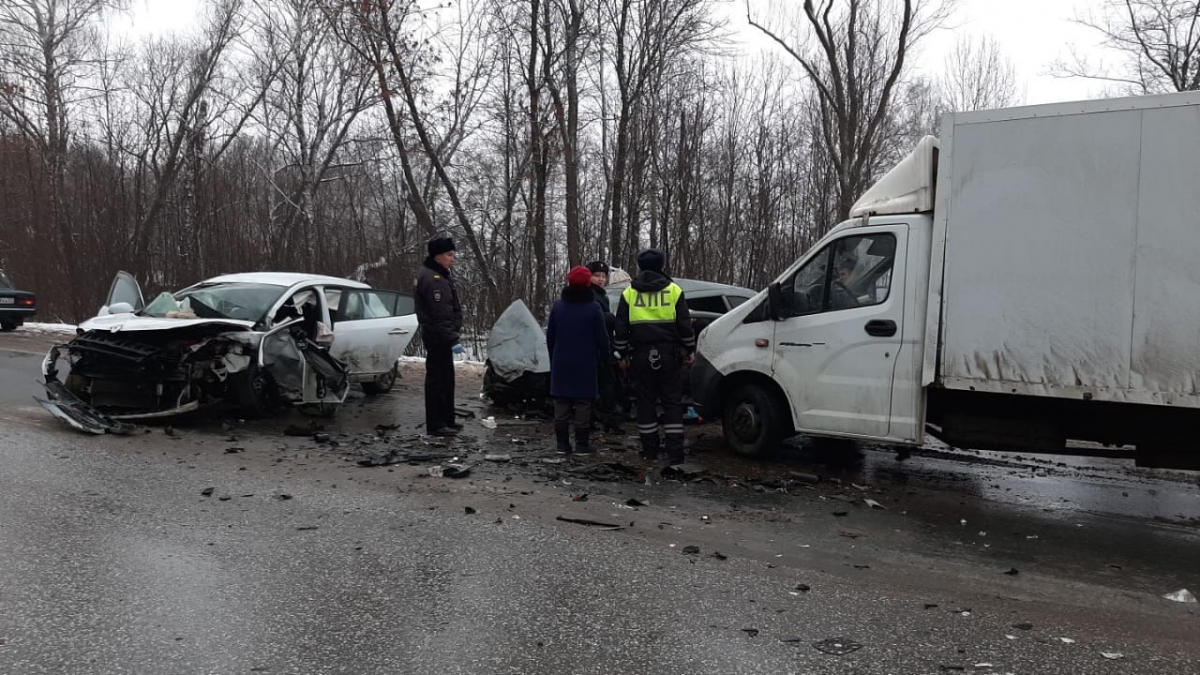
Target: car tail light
{"type": "Point", "coordinates": [28, 302]}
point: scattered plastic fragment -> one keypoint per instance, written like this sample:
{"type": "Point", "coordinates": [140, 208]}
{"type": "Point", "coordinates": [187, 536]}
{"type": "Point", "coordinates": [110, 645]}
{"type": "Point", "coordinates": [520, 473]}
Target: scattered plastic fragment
{"type": "Point", "coordinates": [837, 646]}
{"type": "Point", "coordinates": [1012, 572]}
{"type": "Point", "coordinates": [803, 588]}
{"type": "Point", "coordinates": [488, 423]}
{"type": "Point", "coordinates": [1066, 641]}
{"type": "Point", "coordinates": [719, 556]}
{"type": "Point", "coordinates": [1112, 656]}
{"type": "Point", "coordinates": [589, 523]}
{"type": "Point", "coordinates": [752, 632]}
{"type": "Point", "coordinates": [579, 498]}
{"type": "Point", "coordinates": [1023, 626]}
{"type": "Point", "coordinates": [497, 458]}
{"type": "Point", "coordinates": [635, 503]}
{"type": "Point", "coordinates": [874, 504]}
{"type": "Point", "coordinates": [1181, 595]}
{"type": "Point", "coordinates": [691, 550]}
{"type": "Point", "coordinates": [449, 471]}
{"type": "Point", "coordinates": [470, 511]}
{"type": "Point", "coordinates": [207, 492]}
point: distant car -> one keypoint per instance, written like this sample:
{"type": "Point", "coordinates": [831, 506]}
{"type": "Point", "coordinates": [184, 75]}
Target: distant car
{"type": "Point", "coordinates": [15, 305]}
{"type": "Point", "coordinates": [518, 364]}
{"type": "Point", "coordinates": [258, 341]}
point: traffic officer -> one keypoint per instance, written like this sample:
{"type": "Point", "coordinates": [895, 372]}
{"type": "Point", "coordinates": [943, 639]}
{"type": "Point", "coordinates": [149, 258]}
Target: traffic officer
{"type": "Point", "coordinates": [440, 316]}
{"type": "Point", "coordinates": [654, 333]}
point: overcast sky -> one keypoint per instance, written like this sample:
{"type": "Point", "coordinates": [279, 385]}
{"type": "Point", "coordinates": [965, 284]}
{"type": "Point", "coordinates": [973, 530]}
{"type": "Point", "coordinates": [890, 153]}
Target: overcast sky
{"type": "Point", "coordinates": [1032, 33]}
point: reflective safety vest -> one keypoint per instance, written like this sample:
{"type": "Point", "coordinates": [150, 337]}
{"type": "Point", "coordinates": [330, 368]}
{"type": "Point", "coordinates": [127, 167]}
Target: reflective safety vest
{"type": "Point", "coordinates": [652, 306]}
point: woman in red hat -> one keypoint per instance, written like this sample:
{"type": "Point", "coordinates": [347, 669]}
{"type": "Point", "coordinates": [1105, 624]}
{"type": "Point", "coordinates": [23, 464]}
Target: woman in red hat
{"type": "Point", "coordinates": [578, 342]}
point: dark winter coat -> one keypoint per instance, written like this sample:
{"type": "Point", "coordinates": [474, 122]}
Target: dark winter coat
{"type": "Point", "coordinates": [634, 335]}
{"type": "Point", "coordinates": [610, 319]}
{"type": "Point", "coordinates": [438, 309]}
{"type": "Point", "coordinates": [578, 342]}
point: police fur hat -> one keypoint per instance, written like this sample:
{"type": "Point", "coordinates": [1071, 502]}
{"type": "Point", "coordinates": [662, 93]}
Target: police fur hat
{"type": "Point", "coordinates": [597, 266]}
{"type": "Point", "coordinates": [652, 260]}
{"type": "Point", "coordinates": [440, 245]}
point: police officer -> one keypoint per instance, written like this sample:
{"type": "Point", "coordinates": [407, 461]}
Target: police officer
{"type": "Point", "coordinates": [606, 411]}
{"type": "Point", "coordinates": [440, 316]}
{"type": "Point", "coordinates": [654, 331]}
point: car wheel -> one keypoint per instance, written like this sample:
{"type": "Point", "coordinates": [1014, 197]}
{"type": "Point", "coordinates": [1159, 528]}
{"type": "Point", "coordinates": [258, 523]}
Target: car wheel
{"type": "Point", "coordinates": [751, 421]}
{"type": "Point", "coordinates": [381, 384]}
{"type": "Point", "coordinates": [255, 392]}
{"type": "Point", "coordinates": [8, 325]}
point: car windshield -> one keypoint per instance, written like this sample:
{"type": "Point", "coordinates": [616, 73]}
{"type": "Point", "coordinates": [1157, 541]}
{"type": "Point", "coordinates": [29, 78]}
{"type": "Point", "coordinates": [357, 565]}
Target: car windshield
{"type": "Point", "coordinates": [6, 283]}
{"type": "Point", "coordinates": [245, 302]}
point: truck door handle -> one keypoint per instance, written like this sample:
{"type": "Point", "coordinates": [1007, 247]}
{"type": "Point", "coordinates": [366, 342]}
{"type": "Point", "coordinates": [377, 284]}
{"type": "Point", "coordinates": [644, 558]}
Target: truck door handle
{"type": "Point", "coordinates": [881, 328]}
{"type": "Point", "coordinates": [398, 331]}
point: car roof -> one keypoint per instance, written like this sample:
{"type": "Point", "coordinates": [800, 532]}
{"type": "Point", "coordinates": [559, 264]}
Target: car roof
{"type": "Point", "coordinates": [285, 279]}
{"type": "Point", "coordinates": [699, 287]}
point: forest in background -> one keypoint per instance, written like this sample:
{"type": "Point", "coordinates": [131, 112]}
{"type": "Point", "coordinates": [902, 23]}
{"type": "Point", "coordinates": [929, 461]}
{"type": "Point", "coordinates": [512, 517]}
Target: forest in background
{"type": "Point", "coordinates": [337, 136]}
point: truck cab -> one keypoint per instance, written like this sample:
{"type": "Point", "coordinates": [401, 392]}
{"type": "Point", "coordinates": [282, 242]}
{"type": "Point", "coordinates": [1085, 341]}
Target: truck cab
{"type": "Point", "coordinates": [834, 346]}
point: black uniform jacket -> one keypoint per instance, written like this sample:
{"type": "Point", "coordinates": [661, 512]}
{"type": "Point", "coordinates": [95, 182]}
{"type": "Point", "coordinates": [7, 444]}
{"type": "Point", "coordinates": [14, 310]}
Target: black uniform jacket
{"type": "Point", "coordinates": [438, 309]}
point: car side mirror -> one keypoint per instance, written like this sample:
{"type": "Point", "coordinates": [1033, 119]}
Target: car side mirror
{"type": "Point", "coordinates": [775, 301]}
{"type": "Point", "coordinates": [120, 308]}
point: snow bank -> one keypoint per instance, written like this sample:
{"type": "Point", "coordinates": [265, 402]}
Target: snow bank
{"type": "Point", "coordinates": [467, 364]}
{"type": "Point", "coordinates": [47, 328]}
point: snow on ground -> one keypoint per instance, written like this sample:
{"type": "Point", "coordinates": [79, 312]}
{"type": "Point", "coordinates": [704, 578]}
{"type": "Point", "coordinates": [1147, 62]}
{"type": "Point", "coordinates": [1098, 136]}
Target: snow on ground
{"type": "Point", "coordinates": [467, 364]}
{"type": "Point", "coordinates": [47, 328]}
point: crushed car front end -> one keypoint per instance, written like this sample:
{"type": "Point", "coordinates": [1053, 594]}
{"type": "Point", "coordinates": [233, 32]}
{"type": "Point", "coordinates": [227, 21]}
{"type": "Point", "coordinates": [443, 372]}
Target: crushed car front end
{"type": "Point", "coordinates": [154, 373]}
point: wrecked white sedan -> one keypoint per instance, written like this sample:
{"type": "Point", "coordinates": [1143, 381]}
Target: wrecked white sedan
{"type": "Point", "coordinates": [258, 341]}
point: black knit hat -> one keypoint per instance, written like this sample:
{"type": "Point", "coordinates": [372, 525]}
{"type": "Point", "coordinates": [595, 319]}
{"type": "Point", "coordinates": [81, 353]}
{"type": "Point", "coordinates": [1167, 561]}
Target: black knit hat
{"type": "Point", "coordinates": [440, 245]}
{"type": "Point", "coordinates": [597, 266]}
{"type": "Point", "coordinates": [652, 260]}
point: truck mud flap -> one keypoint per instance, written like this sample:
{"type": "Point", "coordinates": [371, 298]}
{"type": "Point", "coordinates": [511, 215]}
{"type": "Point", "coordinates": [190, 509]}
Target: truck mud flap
{"type": "Point", "coordinates": [78, 414]}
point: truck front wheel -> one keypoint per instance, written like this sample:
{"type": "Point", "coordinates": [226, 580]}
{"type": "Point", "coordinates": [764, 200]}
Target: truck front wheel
{"type": "Point", "coordinates": [751, 421]}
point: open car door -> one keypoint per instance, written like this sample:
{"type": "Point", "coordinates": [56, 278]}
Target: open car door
{"type": "Point", "coordinates": [124, 290]}
{"type": "Point", "coordinates": [302, 371]}
{"type": "Point", "coordinates": [372, 328]}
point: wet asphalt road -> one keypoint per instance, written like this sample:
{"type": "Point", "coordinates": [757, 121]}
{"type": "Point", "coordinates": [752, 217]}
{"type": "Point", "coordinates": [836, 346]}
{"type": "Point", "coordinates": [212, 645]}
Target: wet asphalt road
{"type": "Point", "coordinates": [112, 560]}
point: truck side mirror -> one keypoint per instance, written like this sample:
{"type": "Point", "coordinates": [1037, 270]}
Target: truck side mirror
{"type": "Point", "coordinates": [775, 301]}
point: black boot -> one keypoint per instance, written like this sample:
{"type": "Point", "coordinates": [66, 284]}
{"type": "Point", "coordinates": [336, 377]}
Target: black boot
{"type": "Point", "coordinates": [562, 433]}
{"type": "Point", "coordinates": [649, 445]}
{"type": "Point", "coordinates": [581, 441]}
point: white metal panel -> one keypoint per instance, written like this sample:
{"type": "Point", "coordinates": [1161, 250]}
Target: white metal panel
{"type": "Point", "coordinates": [906, 188]}
{"type": "Point", "coordinates": [1166, 324]}
{"type": "Point", "coordinates": [1041, 230]}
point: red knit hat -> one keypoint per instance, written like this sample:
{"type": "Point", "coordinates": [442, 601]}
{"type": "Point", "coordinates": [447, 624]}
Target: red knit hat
{"type": "Point", "coordinates": [579, 276]}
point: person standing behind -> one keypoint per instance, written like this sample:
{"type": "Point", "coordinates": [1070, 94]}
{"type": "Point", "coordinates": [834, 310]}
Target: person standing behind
{"type": "Point", "coordinates": [606, 409]}
{"type": "Point", "coordinates": [440, 317]}
{"type": "Point", "coordinates": [655, 329]}
{"type": "Point", "coordinates": [578, 343]}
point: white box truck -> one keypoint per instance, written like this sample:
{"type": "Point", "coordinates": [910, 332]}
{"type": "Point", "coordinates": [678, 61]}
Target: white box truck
{"type": "Point", "coordinates": [1033, 278]}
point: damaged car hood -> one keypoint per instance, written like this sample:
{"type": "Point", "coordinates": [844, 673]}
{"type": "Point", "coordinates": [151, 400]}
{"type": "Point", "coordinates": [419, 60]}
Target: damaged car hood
{"type": "Point", "coordinates": [115, 323]}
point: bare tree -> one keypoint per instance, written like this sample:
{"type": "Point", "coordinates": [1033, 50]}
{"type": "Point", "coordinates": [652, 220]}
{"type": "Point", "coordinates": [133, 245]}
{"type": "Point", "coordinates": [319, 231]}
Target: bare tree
{"type": "Point", "coordinates": [315, 93]}
{"type": "Point", "coordinates": [386, 33]}
{"type": "Point", "coordinates": [649, 38]}
{"type": "Point", "coordinates": [570, 19]}
{"type": "Point", "coordinates": [978, 77]}
{"type": "Point", "coordinates": [48, 50]}
{"type": "Point", "coordinates": [854, 52]}
{"type": "Point", "coordinates": [1156, 44]}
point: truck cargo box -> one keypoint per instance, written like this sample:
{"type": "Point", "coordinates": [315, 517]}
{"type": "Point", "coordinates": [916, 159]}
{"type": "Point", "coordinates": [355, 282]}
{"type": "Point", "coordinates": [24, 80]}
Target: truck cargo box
{"type": "Point", "coordinates": [1066, 252]}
